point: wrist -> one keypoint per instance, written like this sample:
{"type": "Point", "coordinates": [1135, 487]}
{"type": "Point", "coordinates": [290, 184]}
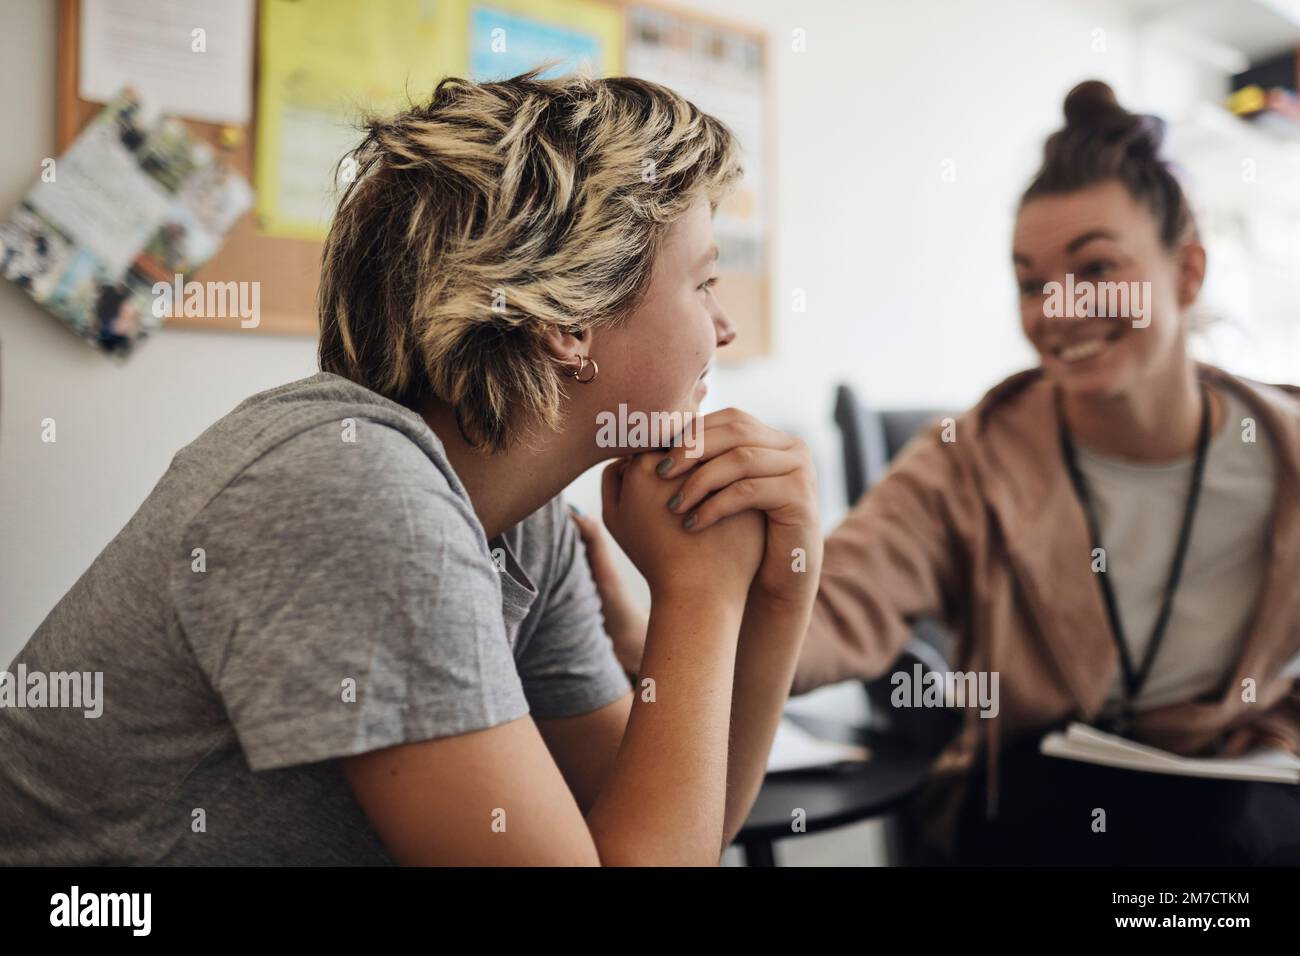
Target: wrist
{"type": "Point", "coordinates": [797, 600]}
{"type": "Point", "coordinates": [694, 607]}
{"type": "Point", "coordinates": [696, 593]}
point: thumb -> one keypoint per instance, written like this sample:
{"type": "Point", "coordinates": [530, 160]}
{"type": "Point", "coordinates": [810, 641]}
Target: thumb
{"type": "Point", "coordinates": [1238, 742]}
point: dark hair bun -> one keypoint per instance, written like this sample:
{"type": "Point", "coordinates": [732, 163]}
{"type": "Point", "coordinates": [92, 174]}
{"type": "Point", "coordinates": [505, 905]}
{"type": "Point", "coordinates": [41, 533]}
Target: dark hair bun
{"type": "Point", "coordinates": [1101, 140]}
{"type": "Point", "coordinates": [1091, 109]}
{"type": "Point", "coordinates": [1090, 102]}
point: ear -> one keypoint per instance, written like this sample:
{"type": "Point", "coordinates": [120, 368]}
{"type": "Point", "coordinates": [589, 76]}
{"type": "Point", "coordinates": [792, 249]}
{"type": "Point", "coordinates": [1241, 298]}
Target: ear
{"type": "Point", "coordinates": [1191, 273]}
{"type": "Point", "coordinates": [566, 343]}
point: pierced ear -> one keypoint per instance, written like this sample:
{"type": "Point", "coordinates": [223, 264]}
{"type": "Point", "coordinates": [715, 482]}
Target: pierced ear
{"type": "Point", "coordinates": [1191, 273]}
{"type": "Point", "coordinates": [566, 342]}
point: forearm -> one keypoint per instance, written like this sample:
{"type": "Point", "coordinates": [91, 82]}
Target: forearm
{"type": "Point", "coordinates": [768, 652]}
{"type": "Point", "coordinates": [664, 800]}
{"type": "Point", "coordinates": [861, 617]}
{"type": "Point", "coordinates": [901, 554]}
{"type": "Point", "coordinates": [627, 627]}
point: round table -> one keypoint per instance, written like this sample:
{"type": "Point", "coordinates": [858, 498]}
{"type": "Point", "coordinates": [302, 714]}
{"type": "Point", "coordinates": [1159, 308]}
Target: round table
{"type": "Point", "coordinates": [832, 796]}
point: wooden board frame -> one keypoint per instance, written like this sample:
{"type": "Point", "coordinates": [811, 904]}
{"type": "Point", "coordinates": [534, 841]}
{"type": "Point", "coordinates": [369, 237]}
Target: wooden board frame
{"type": "Point", "coordinates": [750, 309]}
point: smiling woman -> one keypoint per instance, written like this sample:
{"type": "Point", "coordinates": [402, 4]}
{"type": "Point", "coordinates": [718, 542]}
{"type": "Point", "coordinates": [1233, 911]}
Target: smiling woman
{"type": "Point", "coordinates": [1109, 532]}
{"type": "Point", "coordinates": [1106, 208]}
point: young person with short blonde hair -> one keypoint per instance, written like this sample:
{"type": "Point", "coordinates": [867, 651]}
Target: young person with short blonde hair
{"type": "Point", "coordinates": [353, 623]}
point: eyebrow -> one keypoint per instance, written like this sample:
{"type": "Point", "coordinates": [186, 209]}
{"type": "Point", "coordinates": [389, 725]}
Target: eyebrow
{"type": "Point", "coordinates": [1074, 245]}
{"type": "Point", "coordinates": [1079, 242]}
{"type": "Point", "coordinates": [709, 256]}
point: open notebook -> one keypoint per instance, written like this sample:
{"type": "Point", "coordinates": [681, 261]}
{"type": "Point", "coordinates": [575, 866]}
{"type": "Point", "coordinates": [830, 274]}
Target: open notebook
{"type": "Point", "coordinates": [1081, 742]}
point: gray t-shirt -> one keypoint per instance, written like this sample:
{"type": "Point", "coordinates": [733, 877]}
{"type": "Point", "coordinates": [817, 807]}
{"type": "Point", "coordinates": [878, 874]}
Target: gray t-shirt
{"type": "Point", "coordinates": [308, 580]}
{"type": "Point", "coordinates": [1140, 510]}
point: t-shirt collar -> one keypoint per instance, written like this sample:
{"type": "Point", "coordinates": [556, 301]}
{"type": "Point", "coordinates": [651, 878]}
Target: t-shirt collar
{"type": "Point", "coordinates": [518, 592]}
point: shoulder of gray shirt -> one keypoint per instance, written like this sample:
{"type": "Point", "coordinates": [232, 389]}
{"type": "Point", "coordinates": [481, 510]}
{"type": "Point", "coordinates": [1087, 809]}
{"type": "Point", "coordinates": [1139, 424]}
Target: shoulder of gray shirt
{"type": "Point", "coordinates": [268, 419]}
{"type": "Point", "coordinates": [260, 424]}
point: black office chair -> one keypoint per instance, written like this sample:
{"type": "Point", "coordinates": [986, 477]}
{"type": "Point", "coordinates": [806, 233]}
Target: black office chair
{"type": "Point", "coordinates": [870, 440]}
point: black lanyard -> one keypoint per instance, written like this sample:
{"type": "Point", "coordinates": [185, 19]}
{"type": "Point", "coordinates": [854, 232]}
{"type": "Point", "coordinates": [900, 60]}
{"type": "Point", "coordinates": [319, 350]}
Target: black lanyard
{"type": "Point", "coordinates": [1134, 679]}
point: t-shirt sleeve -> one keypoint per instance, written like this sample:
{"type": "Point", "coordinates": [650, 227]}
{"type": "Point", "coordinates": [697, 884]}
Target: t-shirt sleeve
{"type": "Point", "coordinates": [345, 601]}
{"type": "Point", "coordinates": [569, 666]}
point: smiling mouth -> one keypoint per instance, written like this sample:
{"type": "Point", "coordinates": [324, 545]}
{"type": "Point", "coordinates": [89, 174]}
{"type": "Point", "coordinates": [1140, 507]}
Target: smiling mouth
{"type": "Point", "coordinates": [1082, 351]}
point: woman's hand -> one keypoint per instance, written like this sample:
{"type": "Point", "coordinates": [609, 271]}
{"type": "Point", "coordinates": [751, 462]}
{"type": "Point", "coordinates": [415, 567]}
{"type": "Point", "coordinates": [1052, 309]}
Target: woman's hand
{"type": "Point", "coordinates": [712, 563]}
{"type": "Point", "coordinates": [1253, 737]}
{"type": "Point", "coordinates": [625, 623]}
{"type": "Point", "coordinates": [746, 464]}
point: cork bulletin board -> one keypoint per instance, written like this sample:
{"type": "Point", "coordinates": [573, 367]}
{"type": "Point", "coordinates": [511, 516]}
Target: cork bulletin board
{"type": "Point", "coordinates": [722, 66]}
{"type": "Point", "coordinates": [286, 268]}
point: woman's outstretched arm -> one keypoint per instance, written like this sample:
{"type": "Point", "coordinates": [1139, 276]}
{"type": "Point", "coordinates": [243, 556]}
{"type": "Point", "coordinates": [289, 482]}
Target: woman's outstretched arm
{"type": "Point", "coordinates": [898, 556]}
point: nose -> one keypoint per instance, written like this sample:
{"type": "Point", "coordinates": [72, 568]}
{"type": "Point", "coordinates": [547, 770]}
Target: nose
{"type": "Point", "coordinates": [725, 330]}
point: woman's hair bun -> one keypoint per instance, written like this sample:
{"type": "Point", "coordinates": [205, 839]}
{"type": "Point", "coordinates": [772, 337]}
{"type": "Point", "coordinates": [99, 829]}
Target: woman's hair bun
{"type": "Point", "coordinates": [1089, 102]}
{"type": "Point", "coordinates": [1092, 109]}
{"type": "Point", "coordinates": [1102, 140]}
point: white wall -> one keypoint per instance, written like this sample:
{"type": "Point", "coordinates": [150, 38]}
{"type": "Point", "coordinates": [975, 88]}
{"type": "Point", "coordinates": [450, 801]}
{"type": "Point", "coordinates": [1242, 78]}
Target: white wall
{"type": "Point", "coordinates": [907, 279]}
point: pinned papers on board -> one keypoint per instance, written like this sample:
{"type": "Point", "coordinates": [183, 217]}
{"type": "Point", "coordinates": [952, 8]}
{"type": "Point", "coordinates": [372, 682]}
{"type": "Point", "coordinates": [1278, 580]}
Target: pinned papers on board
{"type": "Point", "coordinates": [113, 225]}
{"type": "Point", "coordinates": [319, 73]}
{"type": "Point", "coordinates": [188, 58]}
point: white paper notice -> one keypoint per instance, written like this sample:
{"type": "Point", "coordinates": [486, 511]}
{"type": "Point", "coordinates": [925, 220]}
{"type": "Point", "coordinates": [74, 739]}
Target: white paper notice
{"type": "Point", "coordinates": [189, 58]}
{"type": "Point", "coordinates": [101, 198]}
{"type": "Point", "coordinates": [793, 748]}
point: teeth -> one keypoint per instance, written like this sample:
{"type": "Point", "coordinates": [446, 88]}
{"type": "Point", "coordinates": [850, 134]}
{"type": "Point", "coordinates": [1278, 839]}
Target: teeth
{"type": "Point", "coordinates": [1082, 350]}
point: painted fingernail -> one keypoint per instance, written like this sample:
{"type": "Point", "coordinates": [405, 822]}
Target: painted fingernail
{"type": "Point", "coordinates": [663, 466]}
{"type": "Point", "coordinates": [576, 510]}
{"type": "Point", "coordinates": [689, 523]}
{"type": "Point", "coordinates": [674, 501]}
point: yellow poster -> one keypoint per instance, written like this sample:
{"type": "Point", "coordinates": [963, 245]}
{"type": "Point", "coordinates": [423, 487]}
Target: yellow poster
{"type": "Point", "coordinates": [323, 63]}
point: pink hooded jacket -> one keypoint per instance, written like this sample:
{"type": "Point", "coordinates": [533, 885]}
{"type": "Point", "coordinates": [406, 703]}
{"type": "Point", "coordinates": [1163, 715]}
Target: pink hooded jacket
{"type": "Point", "coordinates": [985, 532]}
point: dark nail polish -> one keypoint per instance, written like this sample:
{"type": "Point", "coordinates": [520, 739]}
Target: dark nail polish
{"type": "Point", "coordinates": [674, 501]}
{"type": "Point", "coordinates": [689, 523]}
{"type": "Point", "coordinates": [663, 466]}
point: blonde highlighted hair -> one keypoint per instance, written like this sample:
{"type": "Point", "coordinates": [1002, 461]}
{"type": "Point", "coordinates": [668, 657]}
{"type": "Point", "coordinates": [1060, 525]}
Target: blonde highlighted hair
{"type": "Point", "coordinates": [493, 213]}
